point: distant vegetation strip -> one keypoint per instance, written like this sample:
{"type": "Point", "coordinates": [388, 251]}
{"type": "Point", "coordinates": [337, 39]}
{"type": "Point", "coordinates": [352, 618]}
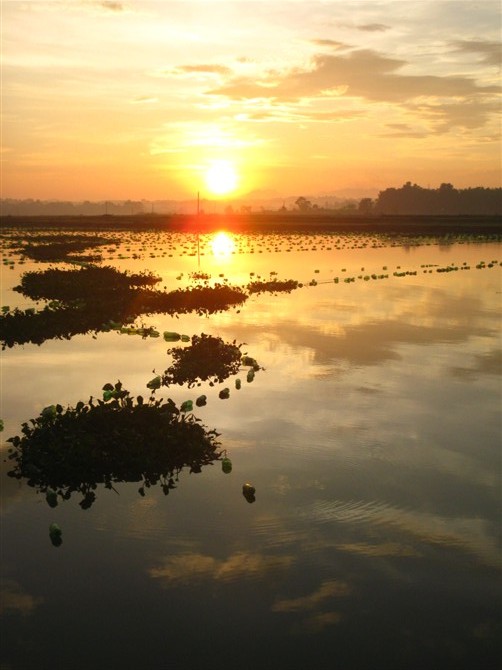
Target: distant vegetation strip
{"type": "Point", "coordinates": [275, 222]}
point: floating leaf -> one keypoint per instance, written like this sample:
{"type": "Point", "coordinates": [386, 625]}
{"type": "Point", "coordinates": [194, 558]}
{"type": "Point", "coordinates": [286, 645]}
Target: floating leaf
{"type": "Point", "coordinates": [52, 498]}
{"type": "Point", "coordinates": [201, 401]}
{"type": "Point", "coordinates": [171, 337]}
{"type": "Point", "coordinates": [186, 406]}
{"type": "Point", "coordinates": [55, 533]}
{"type": "Point", "coordinates": [224, 394]}
{"type": "Point", "coordinates": [154, 383]}
{"type": "Point", "coordinates": [248, 491]}
{"type": "Point", "coordinates": [226, 465]}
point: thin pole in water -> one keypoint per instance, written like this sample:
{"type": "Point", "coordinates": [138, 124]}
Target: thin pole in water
{"type": "Point", "coordinates": [198, 245]}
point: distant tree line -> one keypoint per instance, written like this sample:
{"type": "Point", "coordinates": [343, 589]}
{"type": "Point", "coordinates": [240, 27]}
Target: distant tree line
{"type": "Point", "coordinates": [413, 199]}
{"type": "Point", "coordinates": [410, 199]}
{"type": "Point", "coordinates": [13, 207]}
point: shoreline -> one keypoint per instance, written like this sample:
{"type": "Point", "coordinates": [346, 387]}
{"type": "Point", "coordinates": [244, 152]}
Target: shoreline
{"type": "Point", "coordinates": [270, 222]}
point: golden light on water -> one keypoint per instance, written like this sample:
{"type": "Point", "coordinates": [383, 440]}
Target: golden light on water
{"type": "Point", "coordinates": [222, 244]}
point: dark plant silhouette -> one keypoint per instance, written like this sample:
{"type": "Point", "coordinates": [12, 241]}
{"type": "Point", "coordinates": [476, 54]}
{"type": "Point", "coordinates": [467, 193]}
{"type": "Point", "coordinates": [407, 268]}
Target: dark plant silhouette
{"type": "Point", "coordinates": [94, 299]}
{"type": "Point", "coordinates": [206, 358]}
{"type": "Point", "coordinates": [117, 439]}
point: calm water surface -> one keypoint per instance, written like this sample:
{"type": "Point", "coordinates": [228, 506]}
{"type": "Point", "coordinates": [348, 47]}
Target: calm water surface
{"type": "Point", "coordinates": [373, 441]}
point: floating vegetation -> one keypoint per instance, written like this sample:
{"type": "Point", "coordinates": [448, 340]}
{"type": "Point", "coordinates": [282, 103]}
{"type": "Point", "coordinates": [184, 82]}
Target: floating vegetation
{"type": "Point", "coordinates": [66, 451]}
{"type": "Point", "coordinates": [248, 491]}
{"type": "Point", "coordinates": [56, 534]}
{"type": "Point", "coordinates": [273, 286]}
{"type": "Point", "coordinates": [206, 358]}
{"type": "Point", "coordinates": [226, 465]}
{"type": "Point", "coordinates": [86, 283]}
{"type": "Point", "coordinates": [62, 247]}
{"type": "Point", "coordinates": [95, 299]}
{"type": "Point", "coordinates": [199, 276]}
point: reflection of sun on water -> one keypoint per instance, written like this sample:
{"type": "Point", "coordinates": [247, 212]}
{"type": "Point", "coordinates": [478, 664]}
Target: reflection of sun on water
{"type": "Point", "coordinates": [222, 244]}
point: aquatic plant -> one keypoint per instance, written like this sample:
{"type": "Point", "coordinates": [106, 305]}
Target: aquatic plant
{"type": "Point", "coordinates": [61, 248]}
{"type": "Point", "coordinates": [117, 439]}
{"type": "Point", "coordinates": [273, 286]}
{"type": "Point", "coordinates": [206, 358]}
{"type": "Point", "coordinates": [102, 299]}
{"type": "Point", "coordinates": [85, 283]}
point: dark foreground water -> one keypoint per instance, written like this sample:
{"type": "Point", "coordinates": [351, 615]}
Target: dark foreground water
{"type": "Point", "coordinates": [372, 438]}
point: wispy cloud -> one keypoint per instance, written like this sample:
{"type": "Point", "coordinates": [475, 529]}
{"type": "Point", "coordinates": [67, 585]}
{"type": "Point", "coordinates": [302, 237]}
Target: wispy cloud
{"type": "Point", "coordinates": [490, 52]}
{"type": "Point", "coordinates": [375, 77]}
{"type": "Point", "coordinates": [208, 68]}
{"type": "Point", "coordinates": [373, 27]}
{"type": "Point", "coordinates": [112, 6]}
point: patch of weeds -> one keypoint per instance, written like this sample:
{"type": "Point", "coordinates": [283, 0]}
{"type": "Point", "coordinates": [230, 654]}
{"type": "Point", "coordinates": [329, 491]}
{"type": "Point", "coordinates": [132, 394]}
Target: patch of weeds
{"type": "Point", "coordinates": [206, 358]}
{"type": "Point", "coordinates": [90, 299]}
{"type": "Point", "coordinates": [117, 439]}
{"type": "Point", "coordinates": [273, 286]}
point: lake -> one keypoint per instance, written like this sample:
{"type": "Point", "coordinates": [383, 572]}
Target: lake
{"type": "Point", "coordinates": [371, 435]}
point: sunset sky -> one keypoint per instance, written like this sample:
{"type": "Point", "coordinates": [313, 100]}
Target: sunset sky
{"type": "Point", "coordinates": [136, 99]}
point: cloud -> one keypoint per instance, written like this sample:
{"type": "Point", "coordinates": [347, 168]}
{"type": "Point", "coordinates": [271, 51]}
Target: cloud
{"type": "Point", "coordinates": [144, 99]}
{"type": "Point", "coordinates": [445, 100]}
{"type": "Point", "coordinates": [403, 130]}
{"type": "Point", "coordinates": [364, 72]}
{"type": "Point", "coordinates": [203, 69]}
{"type": "Point", "coordinates": [112, 6]}
{"type": "Point", "coordinates": [373, 27]}
{"type": "Point", "coordinates": [333, 44]}
{"type": "Point", "coordinates": [300, 115]}
{"type": "Point", "coordinates": [491, 52]}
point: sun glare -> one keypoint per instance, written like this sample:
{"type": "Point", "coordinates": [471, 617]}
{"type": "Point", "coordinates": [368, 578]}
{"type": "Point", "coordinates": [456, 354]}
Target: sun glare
{"type": "Point", "coordinates": [221, 177]}
{"type": "Point", "coordinates": [222, 244]}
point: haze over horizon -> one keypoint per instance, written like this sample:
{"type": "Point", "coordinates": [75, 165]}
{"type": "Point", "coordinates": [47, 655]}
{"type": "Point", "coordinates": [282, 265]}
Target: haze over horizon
{"type": "Point", "coordinates": [122, 100]}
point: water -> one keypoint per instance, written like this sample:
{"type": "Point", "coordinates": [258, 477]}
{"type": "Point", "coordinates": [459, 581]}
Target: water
{"type": "Point", "coordinates": [372, 438]}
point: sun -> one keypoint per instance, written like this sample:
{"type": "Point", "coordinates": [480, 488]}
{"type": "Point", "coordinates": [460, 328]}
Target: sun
{"type": "Point", "coordinates": [221, 177]}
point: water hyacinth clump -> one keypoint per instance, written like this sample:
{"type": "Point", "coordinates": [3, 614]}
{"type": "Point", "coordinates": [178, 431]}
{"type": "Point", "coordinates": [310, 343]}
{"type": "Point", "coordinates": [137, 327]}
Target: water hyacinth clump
{"type": "Point", "coordinates": [206, 358]}
{"type": "Point", "coordinates": [117, 439]}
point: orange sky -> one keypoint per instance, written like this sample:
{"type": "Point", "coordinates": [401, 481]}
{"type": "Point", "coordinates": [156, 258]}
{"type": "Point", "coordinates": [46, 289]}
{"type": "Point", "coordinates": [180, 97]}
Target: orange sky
{"type": "Point", "coordinates": [138, 99]}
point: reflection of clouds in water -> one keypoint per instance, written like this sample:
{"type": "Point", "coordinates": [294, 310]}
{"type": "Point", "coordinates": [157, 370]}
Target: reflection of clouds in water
{"type": "Point", "coordinates": [417, 315]}
{"type": "Point", "coordinates": [489, 363]}
{"type": "Point", "coordinates": [467, 534]}
{"type": "Point", "coordinates": [328, 589]}
{"type": "Point", "coordinates": [318, 622]}
{"type": "Point", "coordinates": [385, 549]}
{"type": "Point", "coordinates": [186, 568]}
{"type": "Point", "coordinates": [283, 485]}
{"type": "Point", "coordinates": [14, 599]}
